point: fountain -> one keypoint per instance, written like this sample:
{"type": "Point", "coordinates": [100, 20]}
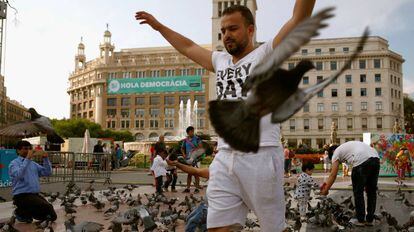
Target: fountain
{"type": "Point", "coordinates": [188, 114]}
{"type": "Point", "coordinates": [181, 120]}
{"type": "Point", "coordinates": [195, 109]}
{"type": "Point", "coordinates": [187, 118]}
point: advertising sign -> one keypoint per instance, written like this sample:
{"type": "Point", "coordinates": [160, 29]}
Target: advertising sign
{"type": "Point", "coordinates": [6, 156]}
{"type": "Point", "coordinates": [154, 84]}
{"type": "Point", "coordinates": [388, 146]}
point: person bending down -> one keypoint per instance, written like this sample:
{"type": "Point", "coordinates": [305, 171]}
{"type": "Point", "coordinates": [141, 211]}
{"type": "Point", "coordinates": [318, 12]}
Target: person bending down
{"type": "Point", "coordinates": [365, 169]}
{"type": "Point", "coordinates": [24, 174]}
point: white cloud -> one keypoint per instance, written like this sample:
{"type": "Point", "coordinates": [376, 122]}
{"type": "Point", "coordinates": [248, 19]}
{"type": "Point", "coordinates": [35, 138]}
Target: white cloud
{"type": "Point", "coordinates": [408, 86]}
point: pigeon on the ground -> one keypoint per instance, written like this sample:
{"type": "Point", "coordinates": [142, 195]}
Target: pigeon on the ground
{"type": "Point", "coordinates": [37, 124]}
{"type": "Point", "coordinates": [84, 226]}
{"type": "Point", "coordinates": [407, 203]}
{"type": "Point", "coordinates": [381, 194]}
{"type": "Point", "coordinates": [69, 210]}
{"type": "Point", "coordinates": [112, 209]}
{"type": "Point", "coordinates": [8, 226]}
{"type": "Point", "coordinates": [273, 89]}
{"type": "Point", "coordinates": [149, 224]}
{"type": "Point", "coordinates": [297, 225]}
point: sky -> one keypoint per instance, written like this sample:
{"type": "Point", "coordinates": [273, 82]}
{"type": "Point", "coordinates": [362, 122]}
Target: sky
{"type": "Point", "coordinates": [42, 38]}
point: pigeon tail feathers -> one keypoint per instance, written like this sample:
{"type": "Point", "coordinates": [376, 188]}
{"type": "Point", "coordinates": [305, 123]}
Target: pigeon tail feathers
{"type": "Point", "coordinates": [235, 125]}
{"type": "Point", "coordinates": [296, 101]}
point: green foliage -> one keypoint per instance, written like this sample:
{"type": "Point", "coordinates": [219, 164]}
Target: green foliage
{"type": "Point", "coordinates": [76, 128]}
{"type": "Point", "coordinates": [140, 161]}
{"type": "Point", "coordinates": [408, 106]}
{"type": "Point", "coordinates": [203, 136]}
{"type": "Point", "coordinates": [409, 114]}
{"type": "Point", "coordinates": [208, 147]}
{"type": "Point", "coordinates": [207, 160]}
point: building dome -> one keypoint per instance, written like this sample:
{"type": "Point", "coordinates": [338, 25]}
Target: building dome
{"type": "Point", "coordinates": [81, 46]}
{"type": "Point", "coordinates": [107, 33]}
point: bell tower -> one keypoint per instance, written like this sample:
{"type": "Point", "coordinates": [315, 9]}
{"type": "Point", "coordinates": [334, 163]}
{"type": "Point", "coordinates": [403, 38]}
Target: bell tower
{"type": "Point", "coordinates": [106, 48]}
{"type": "Point", "coordinates": [80, 58]}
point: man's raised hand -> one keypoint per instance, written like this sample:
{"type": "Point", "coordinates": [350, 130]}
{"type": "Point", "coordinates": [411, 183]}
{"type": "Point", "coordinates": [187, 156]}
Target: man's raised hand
{"type": "Point", "coordinates": [30, 154]}
{"type": "Point", "coordinates": [146, 18]}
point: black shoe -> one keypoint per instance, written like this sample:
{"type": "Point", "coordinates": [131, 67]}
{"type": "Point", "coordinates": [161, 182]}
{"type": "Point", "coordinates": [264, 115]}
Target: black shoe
{"type": "Point", "coordinates": [22, 219]}
{"type": "Point", "coordinates": [187, 190]}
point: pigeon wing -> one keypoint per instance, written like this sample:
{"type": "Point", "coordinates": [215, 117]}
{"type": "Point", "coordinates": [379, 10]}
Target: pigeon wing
{"type": "Point", "coordinates": [299, 36]}
{"type": "Point", "coordinates": [295, 102]}
{"type": "Point", "coordinates": [46, 126]}
{"type": "Point", "coordinates": [21, 129]}
{"type": "Point", "coordinates": [44, 123]}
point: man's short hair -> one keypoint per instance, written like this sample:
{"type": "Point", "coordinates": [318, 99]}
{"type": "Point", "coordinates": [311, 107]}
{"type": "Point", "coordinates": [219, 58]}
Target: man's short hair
{"type": "Point", "coordinates": [244, 11]}
{"type": "Point", "coordinates": [159, 148]}
{"type": "Point", "coordinates": [307, 166]}
{"type": "Point", "coordinates": [331, 150]}
{"type": "Point", "coordinates": [22, 143]}
{"type": "Point", "coordinates": [190, 128]}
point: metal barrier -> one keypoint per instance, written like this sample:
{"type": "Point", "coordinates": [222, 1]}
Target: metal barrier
{"type": "Point", "coordinates": [70, 166]}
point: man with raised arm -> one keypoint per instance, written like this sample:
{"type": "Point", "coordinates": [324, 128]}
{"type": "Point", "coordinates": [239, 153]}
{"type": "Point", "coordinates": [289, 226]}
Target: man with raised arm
{"type": "Point", "coordinates": [25, 173]}
{"type": "Point", "coordinates": [240, 181]}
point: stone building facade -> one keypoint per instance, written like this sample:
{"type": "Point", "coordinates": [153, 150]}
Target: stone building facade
{"type": "Point", "coordinates": [366, 98]}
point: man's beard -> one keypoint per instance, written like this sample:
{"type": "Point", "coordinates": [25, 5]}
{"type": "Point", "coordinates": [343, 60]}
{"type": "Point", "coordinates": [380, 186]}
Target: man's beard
{"type": "Point", "coordinates": [237, 48]}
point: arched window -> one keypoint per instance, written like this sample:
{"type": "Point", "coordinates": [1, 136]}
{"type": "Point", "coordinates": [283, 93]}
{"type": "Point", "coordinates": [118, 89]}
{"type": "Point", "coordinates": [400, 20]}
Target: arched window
{"type": "Point", "coordinates": [139, 137]}
{"type": "Point", "coordinates": [153, 135]}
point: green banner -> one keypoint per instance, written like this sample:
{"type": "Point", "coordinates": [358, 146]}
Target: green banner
{"type": "Point", "coordinates": [154, 85]}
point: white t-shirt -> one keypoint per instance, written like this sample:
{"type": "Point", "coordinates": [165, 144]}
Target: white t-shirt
{"type": "Point", "coordinates": [229, 81]}
{"type": "Point", "coordinates": [159, 166]}
{"type": "Point", "coordinates": [354, 153]}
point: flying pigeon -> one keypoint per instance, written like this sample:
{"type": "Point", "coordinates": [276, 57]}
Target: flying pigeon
{"type": "Point", "coordinates": [272, 89]}
{"type": "Point", "coordinates": [37, 124]}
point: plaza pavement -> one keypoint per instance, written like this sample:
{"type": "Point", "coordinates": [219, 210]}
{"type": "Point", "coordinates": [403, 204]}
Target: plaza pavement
{"type": "Point", "coordinates": [342, 187]}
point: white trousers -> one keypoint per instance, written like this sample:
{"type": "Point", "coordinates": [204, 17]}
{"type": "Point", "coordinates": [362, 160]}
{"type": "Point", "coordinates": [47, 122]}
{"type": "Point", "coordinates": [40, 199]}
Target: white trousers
{"type": "Point", "coordinates": [242, 181]}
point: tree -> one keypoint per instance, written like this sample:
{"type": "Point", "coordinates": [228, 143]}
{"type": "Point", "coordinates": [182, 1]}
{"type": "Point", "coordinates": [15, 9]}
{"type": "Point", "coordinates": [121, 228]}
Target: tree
{"type": "Point", "coordinates": [76, 128]}
{"type": "Point", "coordinates": [409, 115]}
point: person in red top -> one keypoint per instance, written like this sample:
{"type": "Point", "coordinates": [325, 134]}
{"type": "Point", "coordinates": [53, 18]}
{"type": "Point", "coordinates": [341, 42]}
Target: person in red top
{"type": "Point", "coordinates": [287, 160]}
{"type": "Point", "coordinates": [152, 152]}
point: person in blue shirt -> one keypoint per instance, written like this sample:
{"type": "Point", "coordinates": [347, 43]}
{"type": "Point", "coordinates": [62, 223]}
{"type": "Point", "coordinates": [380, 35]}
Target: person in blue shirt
{"type": "Point", "coordinates": [190, 143]}
{"type": "Point", "coordinates": [24, 174]}
{"type": "Point", "coordinates": [119, 154]}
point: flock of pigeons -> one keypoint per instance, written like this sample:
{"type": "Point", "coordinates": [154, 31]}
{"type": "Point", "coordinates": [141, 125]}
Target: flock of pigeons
{"type": "Point", "coordinates": [152, 212]}
{"type": "Point", "coordinates": [336, 216]}
{"type": "Point", "coordinates": [148, 211]}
